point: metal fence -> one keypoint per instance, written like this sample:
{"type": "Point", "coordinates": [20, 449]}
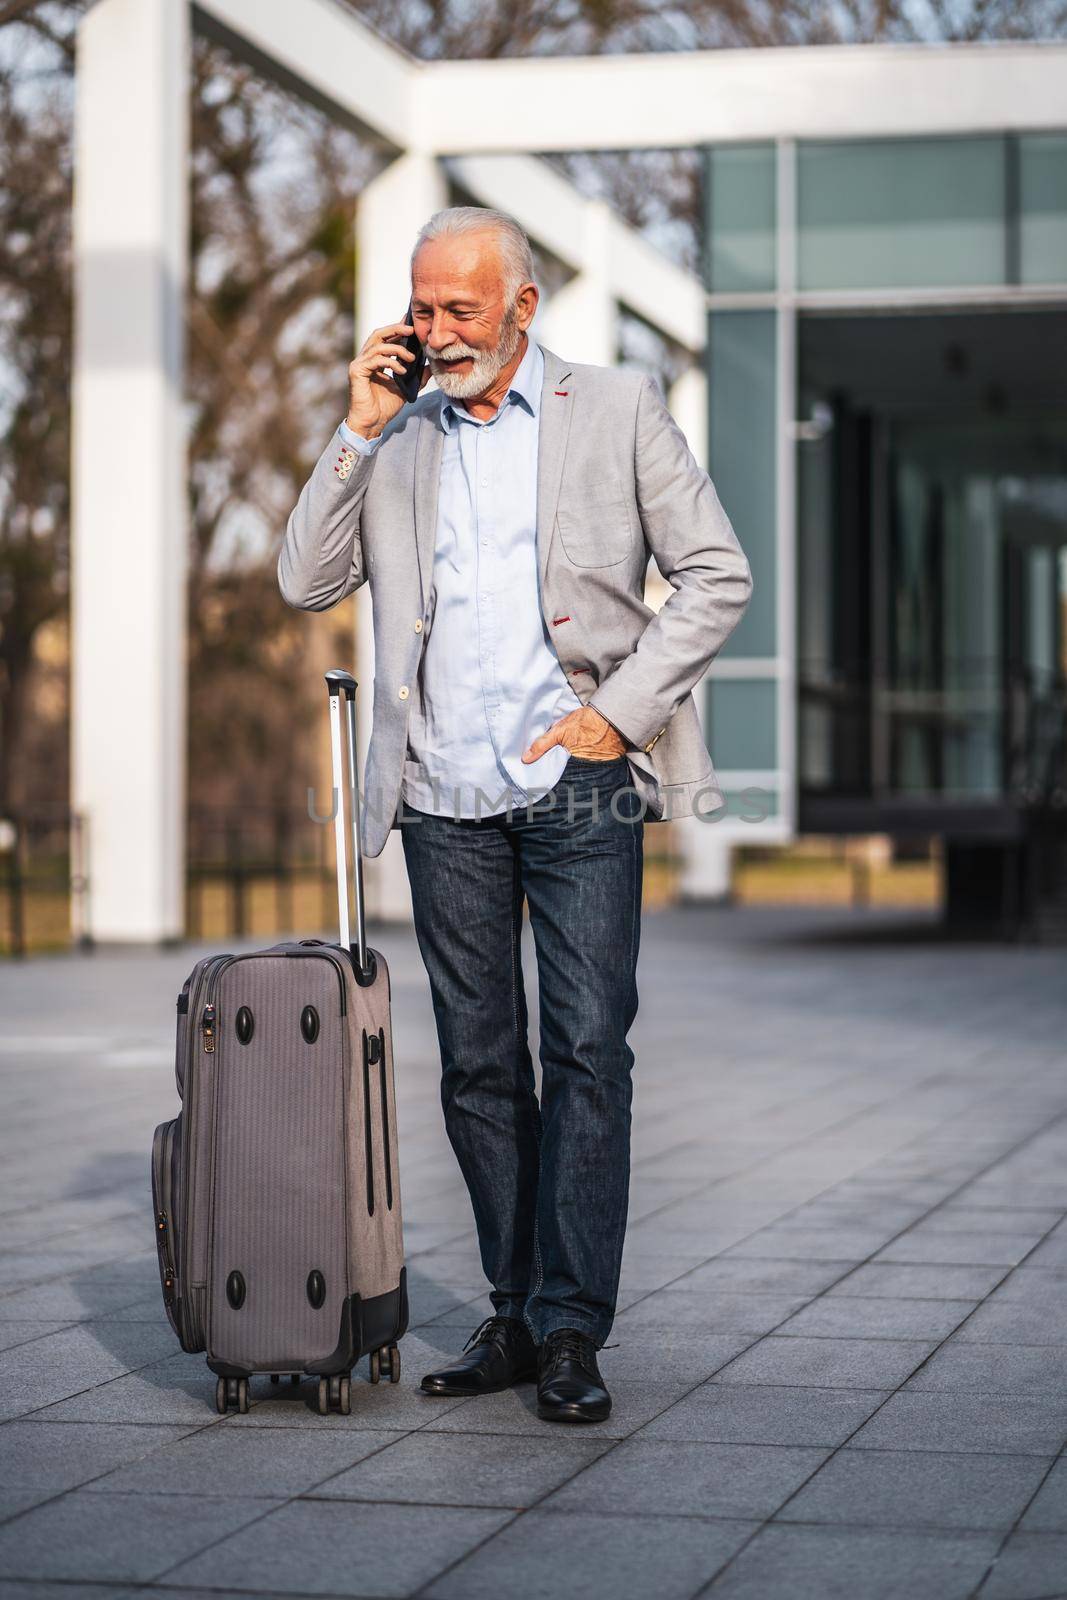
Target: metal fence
{"type": "Point", "coordinates": [44, 886]}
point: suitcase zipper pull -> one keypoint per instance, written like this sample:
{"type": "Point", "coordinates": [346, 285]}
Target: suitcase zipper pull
{"type": "Point", "coordinates": [207, 1028]}
{"type": "Point", "coordinates": [168, 1276]}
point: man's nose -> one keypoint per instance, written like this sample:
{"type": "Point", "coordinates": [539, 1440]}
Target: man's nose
{"type": "Point", "coordinates": [441, 334]}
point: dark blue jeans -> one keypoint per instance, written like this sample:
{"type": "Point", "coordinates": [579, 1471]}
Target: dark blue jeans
{"type": "Point", "coordinates": [548, 1179]}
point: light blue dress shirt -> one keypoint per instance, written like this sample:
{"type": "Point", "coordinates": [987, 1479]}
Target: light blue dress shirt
{"type": "Point", "coordinates": [489, 679]}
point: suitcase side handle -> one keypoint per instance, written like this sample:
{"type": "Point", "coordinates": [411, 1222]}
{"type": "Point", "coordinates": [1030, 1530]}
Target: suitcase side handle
{"type": "Point", "coordinates": [341, 685]}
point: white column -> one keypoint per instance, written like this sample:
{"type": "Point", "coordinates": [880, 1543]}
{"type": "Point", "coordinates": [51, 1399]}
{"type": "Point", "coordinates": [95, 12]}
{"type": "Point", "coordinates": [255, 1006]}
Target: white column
{"type": "Point", "coordinates": [392, 209]}
{"type": "Point", "coordinates": [129, 527]}
{"type": "Point", "coordinates": [687, 403]}
{"type": "Point", "coordinates": [705, 847]}
{"type": "Point", "coordinates": [706, 860]}
{"type": "Point", "coordinates": [579, 321]}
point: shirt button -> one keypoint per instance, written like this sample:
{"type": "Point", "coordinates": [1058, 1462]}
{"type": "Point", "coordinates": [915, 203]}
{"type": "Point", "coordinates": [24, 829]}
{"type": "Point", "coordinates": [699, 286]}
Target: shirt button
{"type": "Point", "coordinates": [485, 483]}
{"type": "Point", "coordinates": [418, 624]}
{"type": "Point", "coordinates": [403, 691]}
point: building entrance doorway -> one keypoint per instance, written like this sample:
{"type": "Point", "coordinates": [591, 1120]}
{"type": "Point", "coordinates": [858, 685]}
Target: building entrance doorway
{"type": "Point", "coordinates": [932, 580]}
{"type": "Point", "coordinates": [932, 594]}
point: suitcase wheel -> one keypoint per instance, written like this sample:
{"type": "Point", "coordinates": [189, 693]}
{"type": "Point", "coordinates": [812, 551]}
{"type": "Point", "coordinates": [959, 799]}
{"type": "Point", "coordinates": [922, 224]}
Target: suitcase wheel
{"type": "Point", "coordinates": [375, 1365]}
{"type": "Point", "coordinates": [335, 1394]}
{"type": "Point", "coordinates": [391, 1364]}
{"type": "Point", "coordinates": [231, 1392]}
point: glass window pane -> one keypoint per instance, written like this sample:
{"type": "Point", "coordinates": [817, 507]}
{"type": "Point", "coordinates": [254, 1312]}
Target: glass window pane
{"type": "Point", "coordinates": [741, 456]}
{"type": "Point", "coordinates": [1043, 207]}
{"type": "Point", "coordinates": [740, 217]}
{"type": "Point", "coordinates": [742, 735]}
{"type": "Point", "coordinates": [901, 213]}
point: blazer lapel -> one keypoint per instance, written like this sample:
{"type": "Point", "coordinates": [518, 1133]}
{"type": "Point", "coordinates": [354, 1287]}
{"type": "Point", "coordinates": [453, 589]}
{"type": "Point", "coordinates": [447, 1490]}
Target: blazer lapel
{"type": "Point", "coordinates": [428, 448]}
{"type": "Point", "coordinates": [557, 403]}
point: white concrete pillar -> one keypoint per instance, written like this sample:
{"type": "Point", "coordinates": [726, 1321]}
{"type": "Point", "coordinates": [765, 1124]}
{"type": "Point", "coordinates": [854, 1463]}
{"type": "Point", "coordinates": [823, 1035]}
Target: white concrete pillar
{"type": "Point", "coordinates": [706, 848]}
{"type": "Point", "coordinates": [129, 525]}
{"type": "Point", "coordinates": [687, 403]}
{"type": "Point", "coordinates": [579, 321]}
{"type": "Point", "coordinates": [706, 854]}
{"type": "Point", "coordinates": [392, 209]}
{"type": "Point", "coordinates": [706, 860]}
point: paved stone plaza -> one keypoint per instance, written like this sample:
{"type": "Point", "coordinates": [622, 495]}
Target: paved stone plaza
{"type": "Point", "coordinates": [839, 1368]}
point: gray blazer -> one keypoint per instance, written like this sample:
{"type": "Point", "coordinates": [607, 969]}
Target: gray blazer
{"type": "Point", "coordinates": [616, 481]}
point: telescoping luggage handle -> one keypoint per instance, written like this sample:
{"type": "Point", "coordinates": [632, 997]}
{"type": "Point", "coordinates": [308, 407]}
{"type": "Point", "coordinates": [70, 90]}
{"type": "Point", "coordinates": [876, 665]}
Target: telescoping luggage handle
{"type": "Point", "coordinates": [341, 685]}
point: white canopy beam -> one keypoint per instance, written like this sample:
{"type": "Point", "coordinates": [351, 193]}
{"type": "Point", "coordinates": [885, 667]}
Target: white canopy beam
{"type": "Point", "coordinates": [587, 235]}
{"type": "Point", "coordinates": [326, 54]}
{"type": "Point", "coordinates": [631, 102]}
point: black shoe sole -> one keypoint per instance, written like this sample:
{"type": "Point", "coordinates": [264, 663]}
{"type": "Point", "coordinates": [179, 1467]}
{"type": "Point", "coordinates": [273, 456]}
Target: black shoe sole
{"type": "Point", "coordinates": [574, 1413]}
{"type": "Point", "coordinates": [454, 1391]}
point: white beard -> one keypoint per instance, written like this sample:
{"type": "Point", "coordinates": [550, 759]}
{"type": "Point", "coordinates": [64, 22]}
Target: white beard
{"type": "Point", "coordinates": [487, 364]}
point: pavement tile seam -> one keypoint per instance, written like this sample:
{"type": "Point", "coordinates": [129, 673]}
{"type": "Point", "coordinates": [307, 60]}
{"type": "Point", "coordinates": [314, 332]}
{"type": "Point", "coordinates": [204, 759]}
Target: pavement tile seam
{"type": "Point", "coordinates": [779, 1517]}
{"type": "Point", "coordinates": [583, 1511]}
{"type": "Point", "coordinates": [136, 1218]}
{"type": "Point", "coordinates": [799, 1145]}
{"type": "Point", "coordinates": [61, 1494]}
{"type": "Point", "coordinates": [556, 1487]}
{"type": "Point", "coordinates": [162, 1587]}
{"type": "Point", "coordinates": [92, 1388]}
{"type": "Point", "coordinates": [467, 1554]}
{"type": "Point", "coordinates": [781, 1332]}
{"type": "Point", "coordinates": [58, 1277]}
{"type": "Point", "coordinates": [33, 1338]}
{"type": "Point", "coordinates": [1011, 1532]}
{"type": "Point", "coordinates": [272, 1506]}
{"type": "Point", "coordinates": [904, 1528]}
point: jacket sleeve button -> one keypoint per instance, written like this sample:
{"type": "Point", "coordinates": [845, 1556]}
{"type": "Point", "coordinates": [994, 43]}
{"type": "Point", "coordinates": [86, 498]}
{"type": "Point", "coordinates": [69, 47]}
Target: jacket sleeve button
{"type": "Point", "coordinates": [418, 624]}
{"type": "Point", "coordinates": [403, 691]}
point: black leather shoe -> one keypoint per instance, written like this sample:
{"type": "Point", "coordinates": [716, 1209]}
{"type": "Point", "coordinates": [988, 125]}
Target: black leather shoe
{"type": "Point", "coordinates": [569, 1385]}
{"type": "Point", "coordinates": [499, 1353]}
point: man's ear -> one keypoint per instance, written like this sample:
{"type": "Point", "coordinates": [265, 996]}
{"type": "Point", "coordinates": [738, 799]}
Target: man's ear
{"type": "Point", "coordinates": [526, 304]}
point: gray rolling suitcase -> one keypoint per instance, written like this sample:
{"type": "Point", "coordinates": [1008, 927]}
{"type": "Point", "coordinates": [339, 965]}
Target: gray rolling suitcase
{"type": "Point", "coordinates": [276, 1189]}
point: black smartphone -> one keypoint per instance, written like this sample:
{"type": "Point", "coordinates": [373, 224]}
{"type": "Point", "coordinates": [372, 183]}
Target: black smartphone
{"type": "Point", "coordinates": [409, 382]}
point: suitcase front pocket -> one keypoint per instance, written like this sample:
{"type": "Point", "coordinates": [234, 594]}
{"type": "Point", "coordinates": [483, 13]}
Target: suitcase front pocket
{"type": "Point", "coordinates": [278, 1266]}
{"type": "Point", "coordinates": [166, 1153]}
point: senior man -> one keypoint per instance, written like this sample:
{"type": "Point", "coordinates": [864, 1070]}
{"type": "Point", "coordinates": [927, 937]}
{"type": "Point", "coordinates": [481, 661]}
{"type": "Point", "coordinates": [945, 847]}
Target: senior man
{"type": "Point", "coordinates": [529, 711]}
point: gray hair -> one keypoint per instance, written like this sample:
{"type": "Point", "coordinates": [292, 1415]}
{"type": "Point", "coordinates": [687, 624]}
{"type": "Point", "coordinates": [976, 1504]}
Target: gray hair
{"type": "Point", "coordinates": [516, 257]}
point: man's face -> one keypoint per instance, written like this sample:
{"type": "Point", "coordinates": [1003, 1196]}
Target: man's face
{"type": "Point", "coordinates": [460, 313]}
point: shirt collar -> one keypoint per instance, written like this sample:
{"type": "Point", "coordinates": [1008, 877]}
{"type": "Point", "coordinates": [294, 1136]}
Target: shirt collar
{"type": "Point", "coordinates": [524, 390]}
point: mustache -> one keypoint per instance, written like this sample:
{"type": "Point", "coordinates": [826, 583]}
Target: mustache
{"type": "Point", "coordinates": [452, 352]}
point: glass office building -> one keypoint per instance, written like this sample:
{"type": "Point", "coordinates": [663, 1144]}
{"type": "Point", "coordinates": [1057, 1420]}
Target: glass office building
{"type": "Point", "coordinates": [887, 350]}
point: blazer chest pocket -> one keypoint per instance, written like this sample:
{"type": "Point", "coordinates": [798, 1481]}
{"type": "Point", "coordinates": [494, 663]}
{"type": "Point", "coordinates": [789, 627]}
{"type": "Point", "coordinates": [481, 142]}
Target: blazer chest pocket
{"type": "Point", "coordinates": [594, 524]}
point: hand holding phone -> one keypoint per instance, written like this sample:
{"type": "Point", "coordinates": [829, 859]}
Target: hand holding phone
{"type": "Point", "coordinates": [389, 371]}
{"type": "Point", "coordinates": [409, 380]}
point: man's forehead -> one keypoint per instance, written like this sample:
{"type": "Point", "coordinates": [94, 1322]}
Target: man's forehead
{"type": "Point", "coordinates": [458, 264]}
